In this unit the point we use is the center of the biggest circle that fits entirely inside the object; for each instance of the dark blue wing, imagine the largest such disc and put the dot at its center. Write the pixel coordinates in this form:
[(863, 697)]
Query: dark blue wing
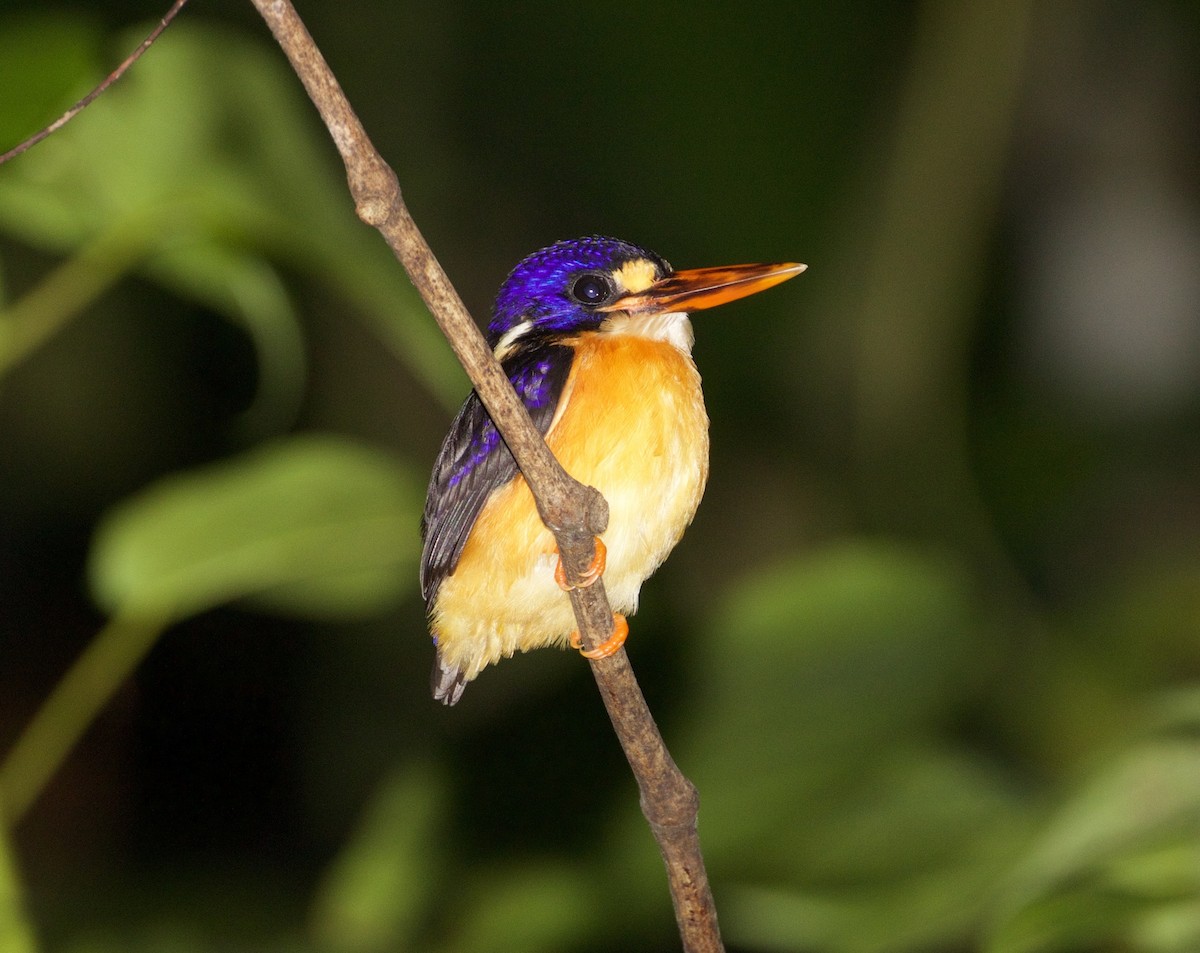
[(474, 461)]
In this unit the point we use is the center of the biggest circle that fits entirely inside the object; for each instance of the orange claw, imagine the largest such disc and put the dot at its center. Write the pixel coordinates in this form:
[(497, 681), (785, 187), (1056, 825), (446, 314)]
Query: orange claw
[(609, 645), (590, 575)]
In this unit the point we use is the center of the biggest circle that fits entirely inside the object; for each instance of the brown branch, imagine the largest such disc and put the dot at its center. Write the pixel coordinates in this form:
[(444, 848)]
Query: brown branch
[(108, 81), (575, 513)]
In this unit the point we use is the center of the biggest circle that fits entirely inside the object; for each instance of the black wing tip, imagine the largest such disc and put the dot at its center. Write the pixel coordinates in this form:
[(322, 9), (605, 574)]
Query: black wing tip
[(448, 682)]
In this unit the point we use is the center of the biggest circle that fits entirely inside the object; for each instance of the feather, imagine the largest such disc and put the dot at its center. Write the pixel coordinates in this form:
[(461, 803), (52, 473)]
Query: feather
[(474, 461)]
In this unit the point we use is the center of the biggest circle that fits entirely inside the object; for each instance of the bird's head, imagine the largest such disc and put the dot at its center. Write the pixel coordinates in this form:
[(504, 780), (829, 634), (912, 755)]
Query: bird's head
[(598, 284)]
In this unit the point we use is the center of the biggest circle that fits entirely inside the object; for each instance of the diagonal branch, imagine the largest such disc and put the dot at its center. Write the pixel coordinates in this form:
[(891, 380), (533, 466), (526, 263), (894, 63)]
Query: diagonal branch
[(575, 513)]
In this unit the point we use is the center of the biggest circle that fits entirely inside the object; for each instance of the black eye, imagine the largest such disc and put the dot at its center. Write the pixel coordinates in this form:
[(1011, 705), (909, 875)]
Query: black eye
[(591, 289)]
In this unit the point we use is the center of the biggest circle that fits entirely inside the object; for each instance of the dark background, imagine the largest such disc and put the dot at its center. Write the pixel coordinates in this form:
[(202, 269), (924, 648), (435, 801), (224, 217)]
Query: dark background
[(930, 650)]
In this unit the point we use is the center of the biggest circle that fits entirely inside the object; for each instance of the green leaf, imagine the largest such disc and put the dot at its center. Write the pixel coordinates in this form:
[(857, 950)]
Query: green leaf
[(1121, 857), (46, 62), (816, 665), (382, 882), (816, 635), (16, 932), (841, 816), (207, 189), (1170, 928), (535, 908), (236, 284), (903, 857), (312, 525)]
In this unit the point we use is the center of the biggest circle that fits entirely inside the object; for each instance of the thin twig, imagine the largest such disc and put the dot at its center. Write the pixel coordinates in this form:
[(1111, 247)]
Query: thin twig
[(108, 81), (576, 514)]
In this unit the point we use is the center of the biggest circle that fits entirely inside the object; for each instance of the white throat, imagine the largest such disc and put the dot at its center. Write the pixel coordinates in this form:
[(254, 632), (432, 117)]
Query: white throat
[(673, 328)]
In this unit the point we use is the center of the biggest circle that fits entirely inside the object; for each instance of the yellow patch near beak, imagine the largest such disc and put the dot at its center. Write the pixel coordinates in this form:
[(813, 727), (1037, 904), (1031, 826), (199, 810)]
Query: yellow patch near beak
[(636, 276)]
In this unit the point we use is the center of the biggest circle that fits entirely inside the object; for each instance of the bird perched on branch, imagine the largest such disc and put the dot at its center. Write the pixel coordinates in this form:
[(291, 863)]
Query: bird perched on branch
[(594, 335)]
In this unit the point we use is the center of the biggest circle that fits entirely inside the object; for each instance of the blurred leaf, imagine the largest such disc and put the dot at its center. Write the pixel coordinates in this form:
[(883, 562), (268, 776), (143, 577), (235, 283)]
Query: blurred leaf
[(1086, 919), (1106, 659), (313, 525), (823, 630), (904, 859), (1150, 792), (46, 62), (234, 283), (816, 665), (16, 933), (1177, 711), (381, 884), (207, 185), (1163, 871), (140, 179), (1075, 919), (1146, 624), (537, 908), (1119, 857), (930, 912), (832, 809), (1170, 928), (913, 812)]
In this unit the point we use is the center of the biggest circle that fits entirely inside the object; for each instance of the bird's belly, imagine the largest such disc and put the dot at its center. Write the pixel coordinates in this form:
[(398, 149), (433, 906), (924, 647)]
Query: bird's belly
[(632, 424)]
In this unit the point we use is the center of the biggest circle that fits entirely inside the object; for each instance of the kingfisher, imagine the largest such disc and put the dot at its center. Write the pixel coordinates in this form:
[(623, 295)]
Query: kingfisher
[(593, 333)]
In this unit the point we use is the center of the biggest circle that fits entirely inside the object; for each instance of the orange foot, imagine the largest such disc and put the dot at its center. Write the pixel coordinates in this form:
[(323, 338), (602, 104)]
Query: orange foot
[(609, 645), (590, 575)]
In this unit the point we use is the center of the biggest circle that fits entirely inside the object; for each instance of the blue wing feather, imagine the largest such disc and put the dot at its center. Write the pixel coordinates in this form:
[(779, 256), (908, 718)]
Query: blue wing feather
[(474, 460)]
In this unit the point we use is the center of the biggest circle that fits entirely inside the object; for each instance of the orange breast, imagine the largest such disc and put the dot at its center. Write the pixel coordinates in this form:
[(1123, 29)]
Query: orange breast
[(631, 422)]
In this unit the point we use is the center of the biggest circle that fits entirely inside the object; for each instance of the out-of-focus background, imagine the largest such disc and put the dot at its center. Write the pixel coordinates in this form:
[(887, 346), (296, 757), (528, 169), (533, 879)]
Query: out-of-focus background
[(931, 650)]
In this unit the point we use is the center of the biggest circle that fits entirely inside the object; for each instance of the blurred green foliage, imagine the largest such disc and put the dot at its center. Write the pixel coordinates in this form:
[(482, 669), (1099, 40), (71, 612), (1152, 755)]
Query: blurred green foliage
[(931, 650)]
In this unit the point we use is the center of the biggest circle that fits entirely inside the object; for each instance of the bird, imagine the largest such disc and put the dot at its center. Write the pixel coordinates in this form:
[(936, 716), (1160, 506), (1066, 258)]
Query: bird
[(594, 335)]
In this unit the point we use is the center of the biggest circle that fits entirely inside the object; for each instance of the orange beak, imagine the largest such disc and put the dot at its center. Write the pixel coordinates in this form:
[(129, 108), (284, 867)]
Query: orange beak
[(699, 288)]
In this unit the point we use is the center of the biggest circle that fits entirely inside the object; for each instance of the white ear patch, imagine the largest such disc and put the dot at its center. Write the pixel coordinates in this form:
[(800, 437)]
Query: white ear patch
[(509, 338)]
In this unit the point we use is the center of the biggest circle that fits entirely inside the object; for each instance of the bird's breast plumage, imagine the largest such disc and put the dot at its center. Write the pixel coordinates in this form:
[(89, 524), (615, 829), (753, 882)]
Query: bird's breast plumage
[(631, 422)]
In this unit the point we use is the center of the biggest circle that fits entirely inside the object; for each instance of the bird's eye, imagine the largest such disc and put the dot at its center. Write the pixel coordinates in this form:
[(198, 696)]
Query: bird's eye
[(591, 289)]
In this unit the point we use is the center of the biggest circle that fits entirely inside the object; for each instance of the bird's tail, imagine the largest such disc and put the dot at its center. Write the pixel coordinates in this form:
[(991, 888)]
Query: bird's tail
[(448, 681)]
